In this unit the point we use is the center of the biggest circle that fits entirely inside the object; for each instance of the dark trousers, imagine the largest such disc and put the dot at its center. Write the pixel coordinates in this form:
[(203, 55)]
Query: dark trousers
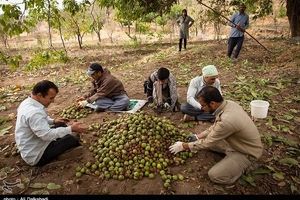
[(184, 43), (235, 42), (197, 113), (57, 147)]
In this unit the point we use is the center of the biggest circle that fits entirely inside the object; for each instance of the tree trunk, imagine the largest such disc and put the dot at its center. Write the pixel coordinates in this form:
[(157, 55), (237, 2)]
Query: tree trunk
[(79, 39), (5, 41), (128, 26), (111, 37), (293, 13), (99, 36), (49, 23), (61, 36)]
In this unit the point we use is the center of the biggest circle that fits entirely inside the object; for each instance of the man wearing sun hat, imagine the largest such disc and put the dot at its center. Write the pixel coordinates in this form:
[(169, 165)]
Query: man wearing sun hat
[(192, 109), (107, 93)]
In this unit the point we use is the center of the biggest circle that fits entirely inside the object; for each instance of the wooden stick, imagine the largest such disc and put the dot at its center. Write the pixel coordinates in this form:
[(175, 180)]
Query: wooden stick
[(200, 1)]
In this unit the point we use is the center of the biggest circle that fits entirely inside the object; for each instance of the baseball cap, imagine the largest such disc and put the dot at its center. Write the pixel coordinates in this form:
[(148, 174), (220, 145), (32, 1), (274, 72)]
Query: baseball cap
[(95, 67)]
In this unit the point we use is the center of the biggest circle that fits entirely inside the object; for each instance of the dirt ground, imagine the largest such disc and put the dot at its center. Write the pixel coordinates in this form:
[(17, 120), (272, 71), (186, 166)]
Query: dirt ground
[(258, 73)]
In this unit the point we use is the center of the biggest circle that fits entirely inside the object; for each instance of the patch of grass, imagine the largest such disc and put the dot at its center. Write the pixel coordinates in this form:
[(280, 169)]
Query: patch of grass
[(13, 62), (41, 59)]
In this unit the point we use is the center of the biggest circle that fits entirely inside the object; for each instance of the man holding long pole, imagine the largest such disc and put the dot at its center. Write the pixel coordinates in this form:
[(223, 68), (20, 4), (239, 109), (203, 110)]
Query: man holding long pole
[(236, 38)]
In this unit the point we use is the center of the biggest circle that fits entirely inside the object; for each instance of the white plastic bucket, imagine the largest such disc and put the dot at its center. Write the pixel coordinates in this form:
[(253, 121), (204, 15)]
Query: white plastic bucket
[(259, 108)]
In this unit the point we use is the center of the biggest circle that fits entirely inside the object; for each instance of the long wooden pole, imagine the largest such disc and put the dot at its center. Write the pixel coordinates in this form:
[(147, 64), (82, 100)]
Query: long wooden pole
[(200, 1)]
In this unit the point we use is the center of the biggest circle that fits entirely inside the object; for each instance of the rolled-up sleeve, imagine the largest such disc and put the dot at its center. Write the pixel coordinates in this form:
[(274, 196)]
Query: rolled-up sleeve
[(38, 122), (191, 95), (50, 120)]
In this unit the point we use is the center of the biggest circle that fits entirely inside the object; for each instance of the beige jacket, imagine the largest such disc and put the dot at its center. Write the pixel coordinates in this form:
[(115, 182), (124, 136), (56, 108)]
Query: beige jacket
[(233, 125)]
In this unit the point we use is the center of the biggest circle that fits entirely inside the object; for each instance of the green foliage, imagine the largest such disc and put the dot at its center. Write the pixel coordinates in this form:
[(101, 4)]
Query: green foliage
[(12, 61), (282, 11), (77, 20), (175, 11), (259, 8), (10, 24), (248, 88), (41, 59), (142, 27), (162, 20), (133, 43), (136, 9), (98, 16)]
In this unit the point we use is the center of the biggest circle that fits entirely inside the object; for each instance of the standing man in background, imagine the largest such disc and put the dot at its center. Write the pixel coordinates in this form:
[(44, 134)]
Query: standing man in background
[(236, 37), (184, 22)]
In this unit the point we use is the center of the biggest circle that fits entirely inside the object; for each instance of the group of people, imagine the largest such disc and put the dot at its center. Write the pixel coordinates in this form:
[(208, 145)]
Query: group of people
[(239, 22), (40, 139)]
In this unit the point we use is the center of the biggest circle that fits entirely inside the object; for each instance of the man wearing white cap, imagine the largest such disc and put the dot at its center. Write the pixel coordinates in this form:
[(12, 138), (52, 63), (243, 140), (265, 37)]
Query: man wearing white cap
[(192, 109), (107, 93)]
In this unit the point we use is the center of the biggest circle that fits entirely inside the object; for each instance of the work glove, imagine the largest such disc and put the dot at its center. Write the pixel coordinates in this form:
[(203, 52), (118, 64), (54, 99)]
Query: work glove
[(150, 99), (192, 138), (82, 103), (167, 106), (176, 148)]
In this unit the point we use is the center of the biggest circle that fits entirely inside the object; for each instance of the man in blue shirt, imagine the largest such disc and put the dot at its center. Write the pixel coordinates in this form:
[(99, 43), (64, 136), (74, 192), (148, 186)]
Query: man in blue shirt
[(236, 37)]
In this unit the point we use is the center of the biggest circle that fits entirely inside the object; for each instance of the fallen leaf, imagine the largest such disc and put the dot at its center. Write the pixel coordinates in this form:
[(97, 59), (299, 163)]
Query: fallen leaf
[(21, 186), (261, 171), (289, 161), (3, 108), (296, 180), (294, 189), (249, 179), (40, 192), (294, 111), (278, 176), (53, 186), (288, 117), (5, 130), (281, 184)]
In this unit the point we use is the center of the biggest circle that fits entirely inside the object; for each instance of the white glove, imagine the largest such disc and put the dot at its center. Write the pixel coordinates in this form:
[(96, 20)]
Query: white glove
[(167, 106), (83, 103), (176, 148)]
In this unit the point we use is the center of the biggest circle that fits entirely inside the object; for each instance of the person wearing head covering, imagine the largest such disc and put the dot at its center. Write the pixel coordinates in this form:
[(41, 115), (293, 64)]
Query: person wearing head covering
[(107, 91), (161, 90), (192, 110), (236, 37), (184, 22)]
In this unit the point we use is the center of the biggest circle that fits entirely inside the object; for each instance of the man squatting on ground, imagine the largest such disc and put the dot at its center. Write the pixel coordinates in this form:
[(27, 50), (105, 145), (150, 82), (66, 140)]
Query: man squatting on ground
[(192, 109), (39, 142), (107, 91), (161, 89), (233, 133)]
